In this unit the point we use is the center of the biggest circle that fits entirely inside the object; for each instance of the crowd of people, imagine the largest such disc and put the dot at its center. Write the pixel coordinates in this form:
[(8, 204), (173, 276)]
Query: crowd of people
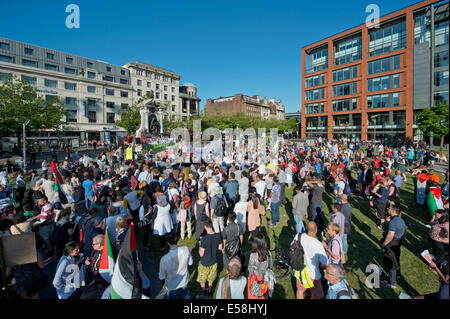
[(220, 203)]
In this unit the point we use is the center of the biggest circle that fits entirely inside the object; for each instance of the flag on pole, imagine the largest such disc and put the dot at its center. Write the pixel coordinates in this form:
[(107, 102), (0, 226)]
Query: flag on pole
[(126, 281), (106, 266)]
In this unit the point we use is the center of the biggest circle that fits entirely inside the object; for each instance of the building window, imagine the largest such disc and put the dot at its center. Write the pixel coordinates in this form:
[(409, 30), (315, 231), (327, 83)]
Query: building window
[(173, 98), (314, 94), (157, 77), (383, 83), (421, 27), (92, 115), (5, 58), (29, 63), (108, 69), (110, 118), (71, 116), (383, 100), (109, 92), (92, 102), (110, 105), (441, 32), (139, 82), (122, 72), (345, 74), (70, 86), (28, 51), (441, 97), (69, 71), (69, 60), (441, 59), (345, 105), (51, 67), (91, 75), (71, 101), (165, 87), (51, 98), (108, 78), (345, 89), (139, 92), (157, 95), (441, 78), (123, 81), (319, 60), (157, 86), (91, 89), (51, 83), (149, 84), (124, 106), (173, 89), (50, 56), (388, 38), (123, 93), (29, 80), (165, 96), (90, 65), (348, 50), (315, 80), (383, 65), (315, 108), (4, 46)]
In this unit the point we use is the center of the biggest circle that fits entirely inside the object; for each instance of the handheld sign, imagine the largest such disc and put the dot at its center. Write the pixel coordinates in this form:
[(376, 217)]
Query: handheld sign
[(19, 249)]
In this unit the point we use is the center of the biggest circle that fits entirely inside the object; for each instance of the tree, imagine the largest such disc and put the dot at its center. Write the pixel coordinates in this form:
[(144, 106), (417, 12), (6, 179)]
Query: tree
[(19, 102), (433, 122)]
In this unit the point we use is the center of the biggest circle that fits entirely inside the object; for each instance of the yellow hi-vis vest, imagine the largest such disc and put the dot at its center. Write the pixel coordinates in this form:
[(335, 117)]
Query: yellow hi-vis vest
[(304, 277)]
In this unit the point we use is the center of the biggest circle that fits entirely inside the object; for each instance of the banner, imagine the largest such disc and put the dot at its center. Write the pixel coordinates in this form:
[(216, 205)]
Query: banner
[(129, 155)]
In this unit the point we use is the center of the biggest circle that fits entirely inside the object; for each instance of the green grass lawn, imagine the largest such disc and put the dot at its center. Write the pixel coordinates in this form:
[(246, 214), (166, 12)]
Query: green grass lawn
[(363, 248)]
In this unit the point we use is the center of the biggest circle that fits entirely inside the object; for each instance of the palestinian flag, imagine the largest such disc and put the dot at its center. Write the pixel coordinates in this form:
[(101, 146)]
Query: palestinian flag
[(126, 281), (434, 200), (106, 267)]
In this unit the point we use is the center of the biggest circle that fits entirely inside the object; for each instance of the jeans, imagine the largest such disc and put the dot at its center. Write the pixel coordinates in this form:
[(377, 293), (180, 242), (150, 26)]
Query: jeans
[(299, 226), (185, 294), (275, 210), (393, 277), (90, 199), (344, 243)]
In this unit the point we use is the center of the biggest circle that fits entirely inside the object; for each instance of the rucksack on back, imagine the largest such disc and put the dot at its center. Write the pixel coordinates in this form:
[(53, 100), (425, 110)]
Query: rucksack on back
[(295, 255), (221, 207)]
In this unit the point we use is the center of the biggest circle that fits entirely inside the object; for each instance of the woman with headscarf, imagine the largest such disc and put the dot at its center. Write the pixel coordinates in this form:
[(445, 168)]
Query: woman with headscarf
[(232, 286), (163, 221)]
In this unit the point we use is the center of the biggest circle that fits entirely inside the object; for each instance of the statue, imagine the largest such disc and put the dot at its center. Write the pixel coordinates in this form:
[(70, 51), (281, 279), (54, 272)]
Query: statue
[(149, 120)]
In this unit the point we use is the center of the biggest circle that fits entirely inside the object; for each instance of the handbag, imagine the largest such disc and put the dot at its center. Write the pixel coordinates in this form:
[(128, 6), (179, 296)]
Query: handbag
[(258, 288)]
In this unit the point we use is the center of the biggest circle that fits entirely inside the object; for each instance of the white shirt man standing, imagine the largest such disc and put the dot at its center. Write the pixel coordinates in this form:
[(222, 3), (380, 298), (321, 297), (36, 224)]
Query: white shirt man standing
[(314, 255), (173, 268)]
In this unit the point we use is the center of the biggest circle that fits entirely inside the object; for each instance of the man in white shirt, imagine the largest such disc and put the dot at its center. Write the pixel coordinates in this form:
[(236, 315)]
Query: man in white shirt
[(173, 268), (260, 186), (314, 255)]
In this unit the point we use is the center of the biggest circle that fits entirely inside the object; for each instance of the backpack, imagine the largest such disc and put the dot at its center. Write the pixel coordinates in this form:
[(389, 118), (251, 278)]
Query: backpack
[(295, 255), (348, 292), (221, 207)]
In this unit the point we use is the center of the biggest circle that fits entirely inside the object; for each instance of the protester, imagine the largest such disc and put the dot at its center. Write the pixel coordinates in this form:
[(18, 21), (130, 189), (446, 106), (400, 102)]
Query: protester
[(233, 285)]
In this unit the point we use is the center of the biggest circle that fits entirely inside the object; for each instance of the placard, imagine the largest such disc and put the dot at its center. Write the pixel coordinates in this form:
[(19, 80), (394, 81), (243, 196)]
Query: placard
[(80, 208), (19, 249), (129, 155)]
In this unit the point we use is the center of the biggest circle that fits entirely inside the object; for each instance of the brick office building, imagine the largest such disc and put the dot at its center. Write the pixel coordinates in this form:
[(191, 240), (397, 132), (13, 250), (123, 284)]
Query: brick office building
[(367, 82), (250, 106)]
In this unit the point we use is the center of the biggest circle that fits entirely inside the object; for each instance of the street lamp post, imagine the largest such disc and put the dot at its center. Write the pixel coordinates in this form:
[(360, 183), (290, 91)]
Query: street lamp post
[(24, 146), (374, 118)]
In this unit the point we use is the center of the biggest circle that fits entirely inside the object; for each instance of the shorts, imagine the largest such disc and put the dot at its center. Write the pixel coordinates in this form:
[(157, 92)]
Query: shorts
[(206, 274), (316, 291), (45, 231)]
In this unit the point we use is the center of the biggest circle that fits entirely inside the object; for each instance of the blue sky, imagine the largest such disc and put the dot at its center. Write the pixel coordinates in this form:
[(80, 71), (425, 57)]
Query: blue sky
[(223, 47)]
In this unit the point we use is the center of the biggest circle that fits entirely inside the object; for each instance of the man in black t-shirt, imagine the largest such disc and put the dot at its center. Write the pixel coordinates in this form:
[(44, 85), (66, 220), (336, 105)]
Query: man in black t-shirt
[(207, 267), (233, 237)]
